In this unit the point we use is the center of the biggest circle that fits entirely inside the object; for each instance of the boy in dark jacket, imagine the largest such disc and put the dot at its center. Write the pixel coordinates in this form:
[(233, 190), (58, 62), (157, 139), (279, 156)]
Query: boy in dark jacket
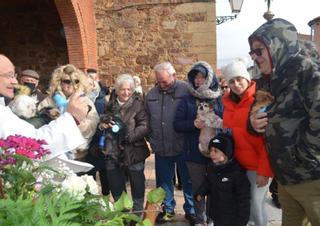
[(227, 184)]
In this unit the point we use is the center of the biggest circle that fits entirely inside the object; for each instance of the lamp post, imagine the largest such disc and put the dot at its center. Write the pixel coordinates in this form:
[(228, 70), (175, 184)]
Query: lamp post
[(268, 15), (235, 8)]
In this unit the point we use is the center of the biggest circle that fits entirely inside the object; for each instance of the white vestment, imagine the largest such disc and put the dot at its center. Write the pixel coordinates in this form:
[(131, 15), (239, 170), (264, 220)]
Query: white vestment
[(62, 134)]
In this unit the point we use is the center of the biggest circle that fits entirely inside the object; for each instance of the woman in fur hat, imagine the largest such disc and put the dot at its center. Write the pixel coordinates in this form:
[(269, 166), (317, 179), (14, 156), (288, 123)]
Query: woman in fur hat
[(203, 87)]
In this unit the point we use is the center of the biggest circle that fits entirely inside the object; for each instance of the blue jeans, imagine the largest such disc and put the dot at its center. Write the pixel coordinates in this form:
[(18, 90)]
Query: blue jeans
[(165, 169)]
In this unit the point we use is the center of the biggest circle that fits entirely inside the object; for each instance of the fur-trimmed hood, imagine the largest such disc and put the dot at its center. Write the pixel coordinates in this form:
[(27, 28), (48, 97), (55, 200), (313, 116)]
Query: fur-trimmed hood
[(210, 89)]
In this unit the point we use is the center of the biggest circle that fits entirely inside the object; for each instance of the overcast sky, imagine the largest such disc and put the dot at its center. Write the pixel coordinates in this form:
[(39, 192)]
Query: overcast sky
[(232, 35)]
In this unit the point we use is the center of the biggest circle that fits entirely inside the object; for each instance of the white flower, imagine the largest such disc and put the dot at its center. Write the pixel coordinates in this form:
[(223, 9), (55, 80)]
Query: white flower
[(75, 185), (92, 184)]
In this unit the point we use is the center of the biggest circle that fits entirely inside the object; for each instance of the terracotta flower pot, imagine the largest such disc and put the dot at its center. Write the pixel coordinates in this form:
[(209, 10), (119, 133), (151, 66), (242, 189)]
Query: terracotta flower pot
[(151, 211)]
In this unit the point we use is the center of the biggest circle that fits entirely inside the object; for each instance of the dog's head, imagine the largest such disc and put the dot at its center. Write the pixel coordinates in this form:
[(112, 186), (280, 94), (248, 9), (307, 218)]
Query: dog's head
[(24, 106), (205, 107), (262, 99)]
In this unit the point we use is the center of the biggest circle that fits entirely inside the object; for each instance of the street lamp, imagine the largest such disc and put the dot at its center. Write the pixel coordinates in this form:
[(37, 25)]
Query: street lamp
[(268, 15), (235, 8)]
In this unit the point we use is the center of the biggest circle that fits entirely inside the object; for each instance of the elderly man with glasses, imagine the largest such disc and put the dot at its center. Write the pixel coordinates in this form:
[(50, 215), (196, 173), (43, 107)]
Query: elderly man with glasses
[(61, 134)]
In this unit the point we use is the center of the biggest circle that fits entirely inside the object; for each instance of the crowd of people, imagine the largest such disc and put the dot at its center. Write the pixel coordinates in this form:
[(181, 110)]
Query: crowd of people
[(226, 152)]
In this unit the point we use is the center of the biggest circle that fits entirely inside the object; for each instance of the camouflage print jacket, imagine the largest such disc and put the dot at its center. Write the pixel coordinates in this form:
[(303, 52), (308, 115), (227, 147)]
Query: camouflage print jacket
[(293, 131)]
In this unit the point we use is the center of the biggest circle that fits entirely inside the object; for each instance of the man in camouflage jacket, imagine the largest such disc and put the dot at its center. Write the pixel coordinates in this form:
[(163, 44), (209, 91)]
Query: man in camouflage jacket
[(292, 122)]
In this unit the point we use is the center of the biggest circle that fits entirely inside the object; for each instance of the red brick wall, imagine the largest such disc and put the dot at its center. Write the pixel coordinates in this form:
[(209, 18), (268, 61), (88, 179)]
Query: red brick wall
[(79, 25), (316, 27)]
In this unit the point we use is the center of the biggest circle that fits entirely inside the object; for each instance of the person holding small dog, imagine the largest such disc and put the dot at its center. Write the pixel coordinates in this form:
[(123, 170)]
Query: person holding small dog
[(291, 125), (128, 152), (250, 150), (227, 183), (65, 81), (204, 92)]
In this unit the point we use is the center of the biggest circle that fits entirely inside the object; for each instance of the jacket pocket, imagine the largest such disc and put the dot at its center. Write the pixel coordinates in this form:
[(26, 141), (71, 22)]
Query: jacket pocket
[(136, 152)]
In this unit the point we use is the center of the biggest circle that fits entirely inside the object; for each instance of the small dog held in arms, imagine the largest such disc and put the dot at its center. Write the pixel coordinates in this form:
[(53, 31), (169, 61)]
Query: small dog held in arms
[(262, 100), (212, 122), (23, 105)]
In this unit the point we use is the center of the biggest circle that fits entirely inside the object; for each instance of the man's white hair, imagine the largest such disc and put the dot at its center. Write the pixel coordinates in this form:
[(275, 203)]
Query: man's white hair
[(167, 66)]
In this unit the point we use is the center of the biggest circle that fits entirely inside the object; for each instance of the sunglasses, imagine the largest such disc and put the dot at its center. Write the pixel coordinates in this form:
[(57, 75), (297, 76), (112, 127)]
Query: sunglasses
[(68, 81), (225, 87), (257, 51)]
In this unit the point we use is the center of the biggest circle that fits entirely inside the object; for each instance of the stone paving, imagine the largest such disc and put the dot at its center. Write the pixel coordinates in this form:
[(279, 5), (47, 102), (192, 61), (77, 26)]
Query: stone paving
[(274, 214)]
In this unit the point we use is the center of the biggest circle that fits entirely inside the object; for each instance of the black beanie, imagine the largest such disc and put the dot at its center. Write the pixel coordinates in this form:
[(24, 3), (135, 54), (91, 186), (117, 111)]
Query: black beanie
[(224, 143)]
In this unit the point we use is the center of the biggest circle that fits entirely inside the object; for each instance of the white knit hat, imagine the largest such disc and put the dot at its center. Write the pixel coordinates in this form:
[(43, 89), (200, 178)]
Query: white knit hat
[(236, 68)]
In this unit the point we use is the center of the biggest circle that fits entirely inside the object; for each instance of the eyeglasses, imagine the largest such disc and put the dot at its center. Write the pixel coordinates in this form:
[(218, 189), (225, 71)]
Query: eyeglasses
[(9, 75), (257, 51), (224, 87), (68, 81)]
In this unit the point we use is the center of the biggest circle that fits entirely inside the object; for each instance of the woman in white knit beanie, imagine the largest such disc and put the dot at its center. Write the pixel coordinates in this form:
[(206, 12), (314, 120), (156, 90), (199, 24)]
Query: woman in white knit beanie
[(250, 150), (237, 76)]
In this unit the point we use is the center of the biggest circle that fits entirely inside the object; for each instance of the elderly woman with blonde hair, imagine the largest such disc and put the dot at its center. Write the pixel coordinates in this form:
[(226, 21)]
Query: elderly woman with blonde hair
[(65, 81), (127, 154)]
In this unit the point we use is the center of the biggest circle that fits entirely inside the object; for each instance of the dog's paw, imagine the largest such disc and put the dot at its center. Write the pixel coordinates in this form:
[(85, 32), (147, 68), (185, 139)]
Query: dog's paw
[(204, 150), (54, 113)]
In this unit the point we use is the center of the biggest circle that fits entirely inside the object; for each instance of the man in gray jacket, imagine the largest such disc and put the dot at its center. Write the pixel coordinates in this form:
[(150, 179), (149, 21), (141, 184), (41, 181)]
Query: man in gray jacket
[(161, 103)]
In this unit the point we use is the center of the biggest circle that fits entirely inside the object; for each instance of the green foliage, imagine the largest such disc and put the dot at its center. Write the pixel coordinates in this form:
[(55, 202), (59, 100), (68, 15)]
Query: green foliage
[(20, 178), (156, 195), (123, 203), (62, 209), (146, 222), (37, 195)]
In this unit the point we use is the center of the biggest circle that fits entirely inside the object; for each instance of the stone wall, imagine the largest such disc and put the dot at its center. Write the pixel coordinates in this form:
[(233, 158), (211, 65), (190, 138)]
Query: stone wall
[(133, 36), (32, 37)]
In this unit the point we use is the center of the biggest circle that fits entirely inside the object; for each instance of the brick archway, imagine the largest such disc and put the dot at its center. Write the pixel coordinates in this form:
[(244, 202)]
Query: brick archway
[(78, 20)]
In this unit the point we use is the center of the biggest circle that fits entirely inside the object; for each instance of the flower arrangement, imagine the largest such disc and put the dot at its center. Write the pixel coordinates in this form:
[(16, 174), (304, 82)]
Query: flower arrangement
[(33, 193), (19, 165)]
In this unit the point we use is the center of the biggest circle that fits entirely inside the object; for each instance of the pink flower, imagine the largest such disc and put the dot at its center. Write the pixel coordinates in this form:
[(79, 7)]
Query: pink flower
[(27, 153), (21, 145)]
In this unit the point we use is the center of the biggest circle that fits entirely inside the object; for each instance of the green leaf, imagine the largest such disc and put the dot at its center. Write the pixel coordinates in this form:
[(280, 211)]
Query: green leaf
[(156, 195), (146, 222), (123, 203), (131, 217), (115, 222)]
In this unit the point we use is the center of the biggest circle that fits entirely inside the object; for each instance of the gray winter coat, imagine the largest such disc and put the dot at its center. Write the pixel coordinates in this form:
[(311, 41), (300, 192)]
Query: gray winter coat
[(161, 107)]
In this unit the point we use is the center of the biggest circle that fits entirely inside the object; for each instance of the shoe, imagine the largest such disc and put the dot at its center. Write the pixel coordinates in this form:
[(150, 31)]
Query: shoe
[(164, 217), (191, 217)]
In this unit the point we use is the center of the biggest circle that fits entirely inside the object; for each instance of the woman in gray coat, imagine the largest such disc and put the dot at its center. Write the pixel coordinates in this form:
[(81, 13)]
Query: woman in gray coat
[(125, 124)]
